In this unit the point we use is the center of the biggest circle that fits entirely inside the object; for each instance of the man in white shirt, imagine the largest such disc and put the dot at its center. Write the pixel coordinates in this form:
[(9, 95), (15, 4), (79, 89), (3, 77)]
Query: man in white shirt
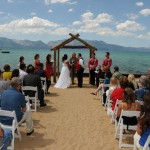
[(22, 71)]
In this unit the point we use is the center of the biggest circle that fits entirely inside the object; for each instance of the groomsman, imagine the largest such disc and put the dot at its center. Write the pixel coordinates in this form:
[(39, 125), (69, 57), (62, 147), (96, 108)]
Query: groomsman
[(107, 62), (80, 70), (92, 64)]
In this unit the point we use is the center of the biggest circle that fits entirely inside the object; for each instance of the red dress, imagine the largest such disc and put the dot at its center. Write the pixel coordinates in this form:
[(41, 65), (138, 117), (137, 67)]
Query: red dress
[(36, 64), (49, 69), (116, 94)]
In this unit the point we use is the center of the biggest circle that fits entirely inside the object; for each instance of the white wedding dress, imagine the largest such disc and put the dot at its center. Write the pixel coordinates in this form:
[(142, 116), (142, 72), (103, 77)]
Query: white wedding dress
[(64, 78)]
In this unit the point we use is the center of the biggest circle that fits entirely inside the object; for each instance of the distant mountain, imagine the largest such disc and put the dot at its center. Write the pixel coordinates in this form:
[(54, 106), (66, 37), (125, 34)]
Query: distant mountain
[(11, 43), (100, 45)]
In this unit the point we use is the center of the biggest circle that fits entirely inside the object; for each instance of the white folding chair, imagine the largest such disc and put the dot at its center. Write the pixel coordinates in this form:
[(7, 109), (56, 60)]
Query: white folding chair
[(34, 99), (44, 85), (113, 115), (123, 127), (147, 143), (14, 127), (140, 102), (102, 91), (28, 105)]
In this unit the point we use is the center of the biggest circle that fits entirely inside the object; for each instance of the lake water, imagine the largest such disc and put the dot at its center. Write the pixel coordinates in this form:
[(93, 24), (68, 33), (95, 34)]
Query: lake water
[(135, 62)]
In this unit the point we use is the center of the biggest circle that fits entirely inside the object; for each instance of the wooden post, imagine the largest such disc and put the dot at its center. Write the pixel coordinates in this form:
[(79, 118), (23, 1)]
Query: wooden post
[(89, 58), (54, 79), (58, 53)]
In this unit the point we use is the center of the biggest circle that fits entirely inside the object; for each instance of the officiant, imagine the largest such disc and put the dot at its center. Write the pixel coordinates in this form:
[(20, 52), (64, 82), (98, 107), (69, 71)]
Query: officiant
[(73, 61)]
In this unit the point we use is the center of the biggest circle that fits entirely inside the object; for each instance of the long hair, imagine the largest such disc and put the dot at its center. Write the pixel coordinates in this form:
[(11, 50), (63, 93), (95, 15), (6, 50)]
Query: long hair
[(145, 117), (36, 56), (131, 78), (48, 58), (128, 96)]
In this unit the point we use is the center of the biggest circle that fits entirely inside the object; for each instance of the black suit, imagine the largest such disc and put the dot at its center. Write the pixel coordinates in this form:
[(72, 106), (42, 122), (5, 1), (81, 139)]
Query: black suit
[(34, 80)]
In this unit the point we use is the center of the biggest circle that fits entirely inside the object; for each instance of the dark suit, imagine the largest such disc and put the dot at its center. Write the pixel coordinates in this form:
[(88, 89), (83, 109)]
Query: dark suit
[(34, 80)]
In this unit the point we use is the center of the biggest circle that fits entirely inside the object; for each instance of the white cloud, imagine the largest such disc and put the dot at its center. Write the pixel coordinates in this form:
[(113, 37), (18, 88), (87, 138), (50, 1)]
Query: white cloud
[(139, 4), (47, 2), (104, 18), (50, 11), (70, 10), (10, 1), (132, 16), (61, 31), (73, 3), (1, 12), (33, 14), (28, 26), (130, 26), (144, 36), (145, 12), (87, 16), (77, 23)]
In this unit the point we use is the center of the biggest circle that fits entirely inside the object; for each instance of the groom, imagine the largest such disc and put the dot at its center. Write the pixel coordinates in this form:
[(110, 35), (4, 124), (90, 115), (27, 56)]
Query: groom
[(80, 69)]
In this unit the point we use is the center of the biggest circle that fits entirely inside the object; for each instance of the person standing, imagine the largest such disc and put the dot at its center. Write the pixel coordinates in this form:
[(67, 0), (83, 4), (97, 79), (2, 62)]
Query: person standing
[(92, 64), (80, 70), (48, 70), (36, 61), (64, 78), (107, 62), (73, 61), (21, 61)]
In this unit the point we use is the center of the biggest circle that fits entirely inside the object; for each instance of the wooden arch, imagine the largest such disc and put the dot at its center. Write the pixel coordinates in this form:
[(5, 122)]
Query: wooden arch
[(62, 45)]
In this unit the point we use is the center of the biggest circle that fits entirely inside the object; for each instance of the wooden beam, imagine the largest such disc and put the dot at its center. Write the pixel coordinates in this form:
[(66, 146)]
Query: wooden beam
[(54, 79), (58, 54), (84, 42), (74, 47)]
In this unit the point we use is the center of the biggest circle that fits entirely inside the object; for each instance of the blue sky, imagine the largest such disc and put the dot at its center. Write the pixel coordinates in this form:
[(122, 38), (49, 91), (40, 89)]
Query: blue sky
[(122, 22)]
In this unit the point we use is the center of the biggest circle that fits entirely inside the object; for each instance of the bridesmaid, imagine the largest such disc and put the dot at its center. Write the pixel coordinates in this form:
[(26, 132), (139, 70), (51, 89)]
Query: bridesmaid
[(48, 70), (36, 61)]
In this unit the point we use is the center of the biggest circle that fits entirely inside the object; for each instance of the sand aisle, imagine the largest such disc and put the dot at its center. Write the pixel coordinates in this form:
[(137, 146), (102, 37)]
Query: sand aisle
[(73, 120)]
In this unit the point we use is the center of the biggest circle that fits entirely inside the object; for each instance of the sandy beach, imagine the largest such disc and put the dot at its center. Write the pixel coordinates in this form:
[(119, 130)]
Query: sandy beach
[(73, 120)]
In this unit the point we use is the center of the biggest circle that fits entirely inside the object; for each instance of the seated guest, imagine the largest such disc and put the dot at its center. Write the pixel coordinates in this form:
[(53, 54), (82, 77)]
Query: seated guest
[(139, 93), (5, 138), (128, 103), (13, 100), (143, 129), (106, 81), (22, 71), (118, 92), (116, 73), (15, 73), (32, 79), (4, 85), (113, 85), (99, 75), (132, 83), (7, 73)]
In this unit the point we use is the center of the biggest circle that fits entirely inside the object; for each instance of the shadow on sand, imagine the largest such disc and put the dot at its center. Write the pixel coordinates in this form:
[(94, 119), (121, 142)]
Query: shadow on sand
[(37, 138), (47, 109)]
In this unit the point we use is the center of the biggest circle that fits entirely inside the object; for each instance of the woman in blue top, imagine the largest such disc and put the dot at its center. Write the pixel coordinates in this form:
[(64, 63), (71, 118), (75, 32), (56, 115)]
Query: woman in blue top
[(143, 129)]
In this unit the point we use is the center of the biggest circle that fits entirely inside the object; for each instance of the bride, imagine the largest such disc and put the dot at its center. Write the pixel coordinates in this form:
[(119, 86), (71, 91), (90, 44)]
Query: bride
[(64, 78)]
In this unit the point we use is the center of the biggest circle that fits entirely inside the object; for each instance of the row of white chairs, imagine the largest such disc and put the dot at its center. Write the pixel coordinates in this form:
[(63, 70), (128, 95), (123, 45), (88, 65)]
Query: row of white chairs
[(119, 126), (14, 127)]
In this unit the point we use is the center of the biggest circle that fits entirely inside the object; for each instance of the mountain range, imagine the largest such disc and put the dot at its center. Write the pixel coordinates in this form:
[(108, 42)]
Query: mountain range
[(6, 43)]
